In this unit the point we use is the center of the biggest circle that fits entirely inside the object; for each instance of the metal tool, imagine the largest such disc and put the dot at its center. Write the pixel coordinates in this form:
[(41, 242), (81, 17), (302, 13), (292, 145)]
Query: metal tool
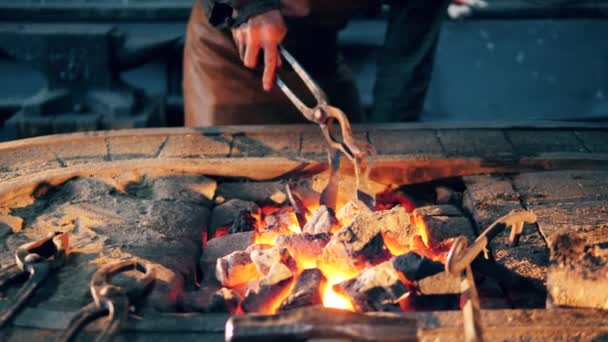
[(111, 301), (36, 260), (325, 116), (320, 323), (363, 168), (329, 195), (298, 205), (322, 113), (461, 256)]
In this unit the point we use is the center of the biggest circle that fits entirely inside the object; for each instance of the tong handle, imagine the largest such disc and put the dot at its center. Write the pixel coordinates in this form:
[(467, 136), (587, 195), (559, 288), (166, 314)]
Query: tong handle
[(116, 310), (110, 300), (33, 258), (38, 272), (9, 273), (310, 113)]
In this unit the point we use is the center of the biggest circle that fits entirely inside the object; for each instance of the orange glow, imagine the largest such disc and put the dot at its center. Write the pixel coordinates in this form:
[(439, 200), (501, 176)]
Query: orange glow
[(332, 299), (394, 246), (310, 209), (273, 221), (422, 229), (221, 231), (274, 304), (390, 199), (418, 246), (335, 228), (295, 228), (265, 238), (420, 243), (306, 263), (269, 210)]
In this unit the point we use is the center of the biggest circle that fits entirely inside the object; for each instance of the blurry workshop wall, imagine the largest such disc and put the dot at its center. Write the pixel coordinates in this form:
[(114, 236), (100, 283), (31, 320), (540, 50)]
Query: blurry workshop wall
[(512, 60)]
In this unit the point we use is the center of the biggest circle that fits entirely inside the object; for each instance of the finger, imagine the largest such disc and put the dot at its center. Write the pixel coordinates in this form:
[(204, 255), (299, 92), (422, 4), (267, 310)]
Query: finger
[(242, 44), (239, 40), (251, 55), (252, 51), (271, 55), (279, 60)]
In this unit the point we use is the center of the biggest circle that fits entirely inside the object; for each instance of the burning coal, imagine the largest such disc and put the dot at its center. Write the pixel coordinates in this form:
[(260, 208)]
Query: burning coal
[(355, 259)]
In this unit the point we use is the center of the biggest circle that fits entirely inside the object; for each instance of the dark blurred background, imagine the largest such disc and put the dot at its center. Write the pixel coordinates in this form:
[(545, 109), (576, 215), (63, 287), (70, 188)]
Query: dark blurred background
[(508, 61)]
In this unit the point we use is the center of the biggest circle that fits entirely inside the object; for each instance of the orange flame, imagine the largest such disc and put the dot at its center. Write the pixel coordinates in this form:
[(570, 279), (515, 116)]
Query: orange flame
[(336, 272), (274, 304), (332, 299), (422, 229), (264, 238)]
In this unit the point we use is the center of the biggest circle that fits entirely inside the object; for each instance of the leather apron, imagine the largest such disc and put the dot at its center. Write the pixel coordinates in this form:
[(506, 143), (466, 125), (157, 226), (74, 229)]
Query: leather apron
[(219, 90)]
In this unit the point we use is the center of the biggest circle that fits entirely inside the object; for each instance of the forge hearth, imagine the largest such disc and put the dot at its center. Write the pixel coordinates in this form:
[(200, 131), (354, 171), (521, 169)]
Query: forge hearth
[(212, 213)]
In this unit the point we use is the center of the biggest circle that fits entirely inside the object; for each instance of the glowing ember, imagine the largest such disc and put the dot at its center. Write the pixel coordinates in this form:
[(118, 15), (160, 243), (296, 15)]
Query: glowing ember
[(332, 299), (305, 264), (221, 231), (264, 238), (394, 246), (422, 228), (311, 209), (295, 228), (278, 226), (390, 199)]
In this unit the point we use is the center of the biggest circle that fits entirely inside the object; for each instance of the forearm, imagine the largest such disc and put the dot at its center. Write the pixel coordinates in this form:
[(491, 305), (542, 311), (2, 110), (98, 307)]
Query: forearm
[(231, 13), (341, 7), (331, 15)]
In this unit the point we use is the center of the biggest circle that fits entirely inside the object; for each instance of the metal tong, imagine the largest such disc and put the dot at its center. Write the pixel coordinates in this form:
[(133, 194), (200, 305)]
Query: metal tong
[(36, 260), (325, 115), (322, 113), (111, 301), (461, 255)]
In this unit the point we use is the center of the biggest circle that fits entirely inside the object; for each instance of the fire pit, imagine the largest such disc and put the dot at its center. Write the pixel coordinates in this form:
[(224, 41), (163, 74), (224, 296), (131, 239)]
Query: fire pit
[(229, 221)]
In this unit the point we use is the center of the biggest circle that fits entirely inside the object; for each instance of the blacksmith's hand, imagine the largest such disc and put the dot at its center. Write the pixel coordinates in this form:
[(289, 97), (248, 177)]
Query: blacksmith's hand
[(265, 32)]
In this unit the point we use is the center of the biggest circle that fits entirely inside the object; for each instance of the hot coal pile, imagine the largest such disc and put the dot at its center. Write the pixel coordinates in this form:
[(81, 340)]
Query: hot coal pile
[(267, 257)]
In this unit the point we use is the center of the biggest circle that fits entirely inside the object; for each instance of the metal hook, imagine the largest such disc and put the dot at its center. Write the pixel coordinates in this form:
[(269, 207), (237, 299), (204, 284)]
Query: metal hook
[(461, 255)]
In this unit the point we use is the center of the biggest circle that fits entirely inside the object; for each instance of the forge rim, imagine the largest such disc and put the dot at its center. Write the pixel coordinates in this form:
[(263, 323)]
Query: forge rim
[(413, 168)]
